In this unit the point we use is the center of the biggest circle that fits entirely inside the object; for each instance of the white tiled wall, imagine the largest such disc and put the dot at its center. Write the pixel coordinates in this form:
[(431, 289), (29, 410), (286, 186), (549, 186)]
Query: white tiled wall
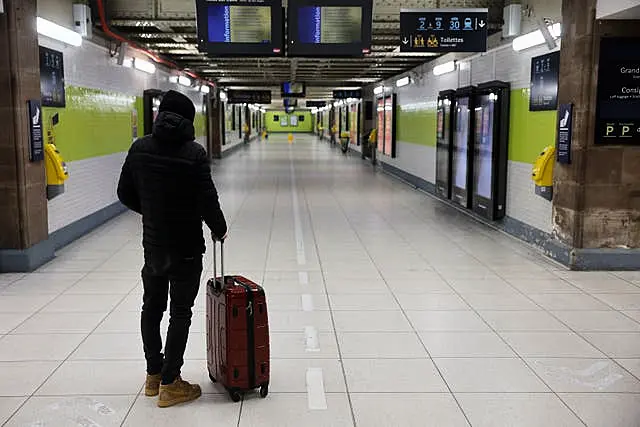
[(91, 186), (502, 63), (92, 182)]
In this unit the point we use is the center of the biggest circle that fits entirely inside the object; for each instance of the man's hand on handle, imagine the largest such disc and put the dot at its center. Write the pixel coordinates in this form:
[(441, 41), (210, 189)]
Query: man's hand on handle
[(219, 239)]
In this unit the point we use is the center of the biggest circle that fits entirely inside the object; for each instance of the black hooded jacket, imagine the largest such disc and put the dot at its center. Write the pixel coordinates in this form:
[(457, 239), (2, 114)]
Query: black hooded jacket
[(167, 178)]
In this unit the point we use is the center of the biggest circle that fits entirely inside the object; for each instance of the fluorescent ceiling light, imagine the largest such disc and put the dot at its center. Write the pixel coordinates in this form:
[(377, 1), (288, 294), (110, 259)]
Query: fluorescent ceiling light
[(445, 68), (173, 79), (57, 32), (127, 63), (205, 89), (535, 38), (378, 90), (223, 96), (184, 81), (146, 66), (403, 81)]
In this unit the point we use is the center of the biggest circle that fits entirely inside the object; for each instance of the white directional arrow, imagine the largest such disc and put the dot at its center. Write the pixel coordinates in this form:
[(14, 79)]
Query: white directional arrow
[(482, 24), (405, 41)]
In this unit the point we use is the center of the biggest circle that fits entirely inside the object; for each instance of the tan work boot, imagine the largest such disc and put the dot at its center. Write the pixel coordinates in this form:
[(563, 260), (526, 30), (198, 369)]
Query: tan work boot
[(152, 385), (177, 392)]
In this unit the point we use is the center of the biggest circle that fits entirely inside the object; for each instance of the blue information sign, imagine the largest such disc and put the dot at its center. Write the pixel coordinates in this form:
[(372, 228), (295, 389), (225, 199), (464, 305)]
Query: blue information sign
[(443, 30), (36, 140), (565, 130)]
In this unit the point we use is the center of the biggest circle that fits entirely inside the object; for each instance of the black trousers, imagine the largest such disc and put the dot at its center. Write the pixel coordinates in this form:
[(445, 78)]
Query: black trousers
[(163, 275)]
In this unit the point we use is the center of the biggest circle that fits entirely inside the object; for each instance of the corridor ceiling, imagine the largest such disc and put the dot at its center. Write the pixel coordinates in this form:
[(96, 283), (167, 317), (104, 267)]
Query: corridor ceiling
[(168, 27)]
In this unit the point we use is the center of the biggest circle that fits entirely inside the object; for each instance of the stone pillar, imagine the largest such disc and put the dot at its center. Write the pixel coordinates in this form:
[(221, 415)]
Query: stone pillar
[(23, 217), (596, 206)]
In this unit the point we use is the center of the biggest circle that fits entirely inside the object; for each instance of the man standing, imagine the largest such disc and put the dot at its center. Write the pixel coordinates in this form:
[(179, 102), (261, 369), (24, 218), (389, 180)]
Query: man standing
[(167, 179)]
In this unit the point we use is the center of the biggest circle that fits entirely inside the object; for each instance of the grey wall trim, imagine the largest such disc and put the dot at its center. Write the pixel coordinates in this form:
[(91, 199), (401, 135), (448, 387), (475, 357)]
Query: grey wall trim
[(76, 230), (21, 261), (27, 260), (573, 258), (411, 179), (233, 149)]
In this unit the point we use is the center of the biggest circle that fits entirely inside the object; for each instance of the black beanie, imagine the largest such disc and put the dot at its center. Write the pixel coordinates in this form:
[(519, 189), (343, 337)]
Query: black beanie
[(177, 103)]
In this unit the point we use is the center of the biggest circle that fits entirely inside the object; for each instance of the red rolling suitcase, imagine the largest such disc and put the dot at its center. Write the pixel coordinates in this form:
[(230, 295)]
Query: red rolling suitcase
[(237, 333)]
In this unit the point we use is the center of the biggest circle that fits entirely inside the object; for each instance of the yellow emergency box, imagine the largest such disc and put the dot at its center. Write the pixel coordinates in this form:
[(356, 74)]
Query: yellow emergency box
[(56, 169), (542, 174)]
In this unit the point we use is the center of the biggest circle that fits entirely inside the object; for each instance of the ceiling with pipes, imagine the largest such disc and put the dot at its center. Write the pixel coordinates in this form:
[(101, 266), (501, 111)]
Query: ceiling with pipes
[(168, 27)]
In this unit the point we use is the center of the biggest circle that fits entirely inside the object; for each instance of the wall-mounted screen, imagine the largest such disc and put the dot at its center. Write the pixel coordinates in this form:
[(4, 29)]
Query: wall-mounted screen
[(329, 27), (484, 145), (293, 90), (52, 78), (389, 131), (380, 124), (460, 143), (240, 27)]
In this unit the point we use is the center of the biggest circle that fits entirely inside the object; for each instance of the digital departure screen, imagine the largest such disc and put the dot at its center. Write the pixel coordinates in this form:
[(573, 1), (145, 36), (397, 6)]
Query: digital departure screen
[(329, 27), (240, 27), (293, 90), (484, 145), (334, 24), (239, 24)]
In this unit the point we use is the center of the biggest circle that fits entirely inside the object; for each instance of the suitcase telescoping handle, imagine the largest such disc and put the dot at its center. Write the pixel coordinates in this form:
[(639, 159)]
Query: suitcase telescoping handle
[(215, 262)]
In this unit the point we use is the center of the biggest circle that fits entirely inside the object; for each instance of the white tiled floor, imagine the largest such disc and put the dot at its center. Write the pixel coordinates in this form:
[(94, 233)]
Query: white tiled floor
[(414, 314)]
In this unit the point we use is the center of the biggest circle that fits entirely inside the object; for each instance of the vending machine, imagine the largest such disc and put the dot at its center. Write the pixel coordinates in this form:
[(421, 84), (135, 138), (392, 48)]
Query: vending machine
[(444, 145), (462, 150), (491, 144)]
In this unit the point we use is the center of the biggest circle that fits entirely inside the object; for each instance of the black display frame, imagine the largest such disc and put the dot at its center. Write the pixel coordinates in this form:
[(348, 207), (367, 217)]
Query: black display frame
[(275, 48), (553, 74), (443, 183), (494, 208), (623, 127), (463, 196), (349, 50), (52, 78)]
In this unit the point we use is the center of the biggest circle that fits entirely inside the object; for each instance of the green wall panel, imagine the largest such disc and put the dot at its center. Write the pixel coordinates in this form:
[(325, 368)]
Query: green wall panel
[(529, 131), (95, 123), (416, 126), (273, 126), (200, 125)]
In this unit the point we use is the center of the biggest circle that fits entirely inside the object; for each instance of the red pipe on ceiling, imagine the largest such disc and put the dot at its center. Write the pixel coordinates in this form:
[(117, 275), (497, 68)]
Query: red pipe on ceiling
[(107, 30)]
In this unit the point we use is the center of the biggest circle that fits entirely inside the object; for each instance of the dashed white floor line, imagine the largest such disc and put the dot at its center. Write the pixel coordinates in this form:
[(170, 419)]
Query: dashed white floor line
[(312, 341), (316, 397), (300, 253), (307, 302), (303, 277)]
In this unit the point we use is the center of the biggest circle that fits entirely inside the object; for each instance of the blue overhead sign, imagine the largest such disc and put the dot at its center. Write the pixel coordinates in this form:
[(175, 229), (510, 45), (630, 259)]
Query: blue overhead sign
[(443, 30)]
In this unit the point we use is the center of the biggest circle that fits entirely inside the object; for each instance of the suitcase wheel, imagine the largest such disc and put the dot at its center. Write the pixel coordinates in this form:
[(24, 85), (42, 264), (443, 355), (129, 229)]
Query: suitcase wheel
[(235, 396), (264, 390), (212, 378)]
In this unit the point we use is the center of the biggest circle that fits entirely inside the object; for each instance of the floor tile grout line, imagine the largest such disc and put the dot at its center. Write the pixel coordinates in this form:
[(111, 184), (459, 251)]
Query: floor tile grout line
[(309, 215), (579, 334), (476, 312), (39, 310), (62, 363), (415, 332)]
